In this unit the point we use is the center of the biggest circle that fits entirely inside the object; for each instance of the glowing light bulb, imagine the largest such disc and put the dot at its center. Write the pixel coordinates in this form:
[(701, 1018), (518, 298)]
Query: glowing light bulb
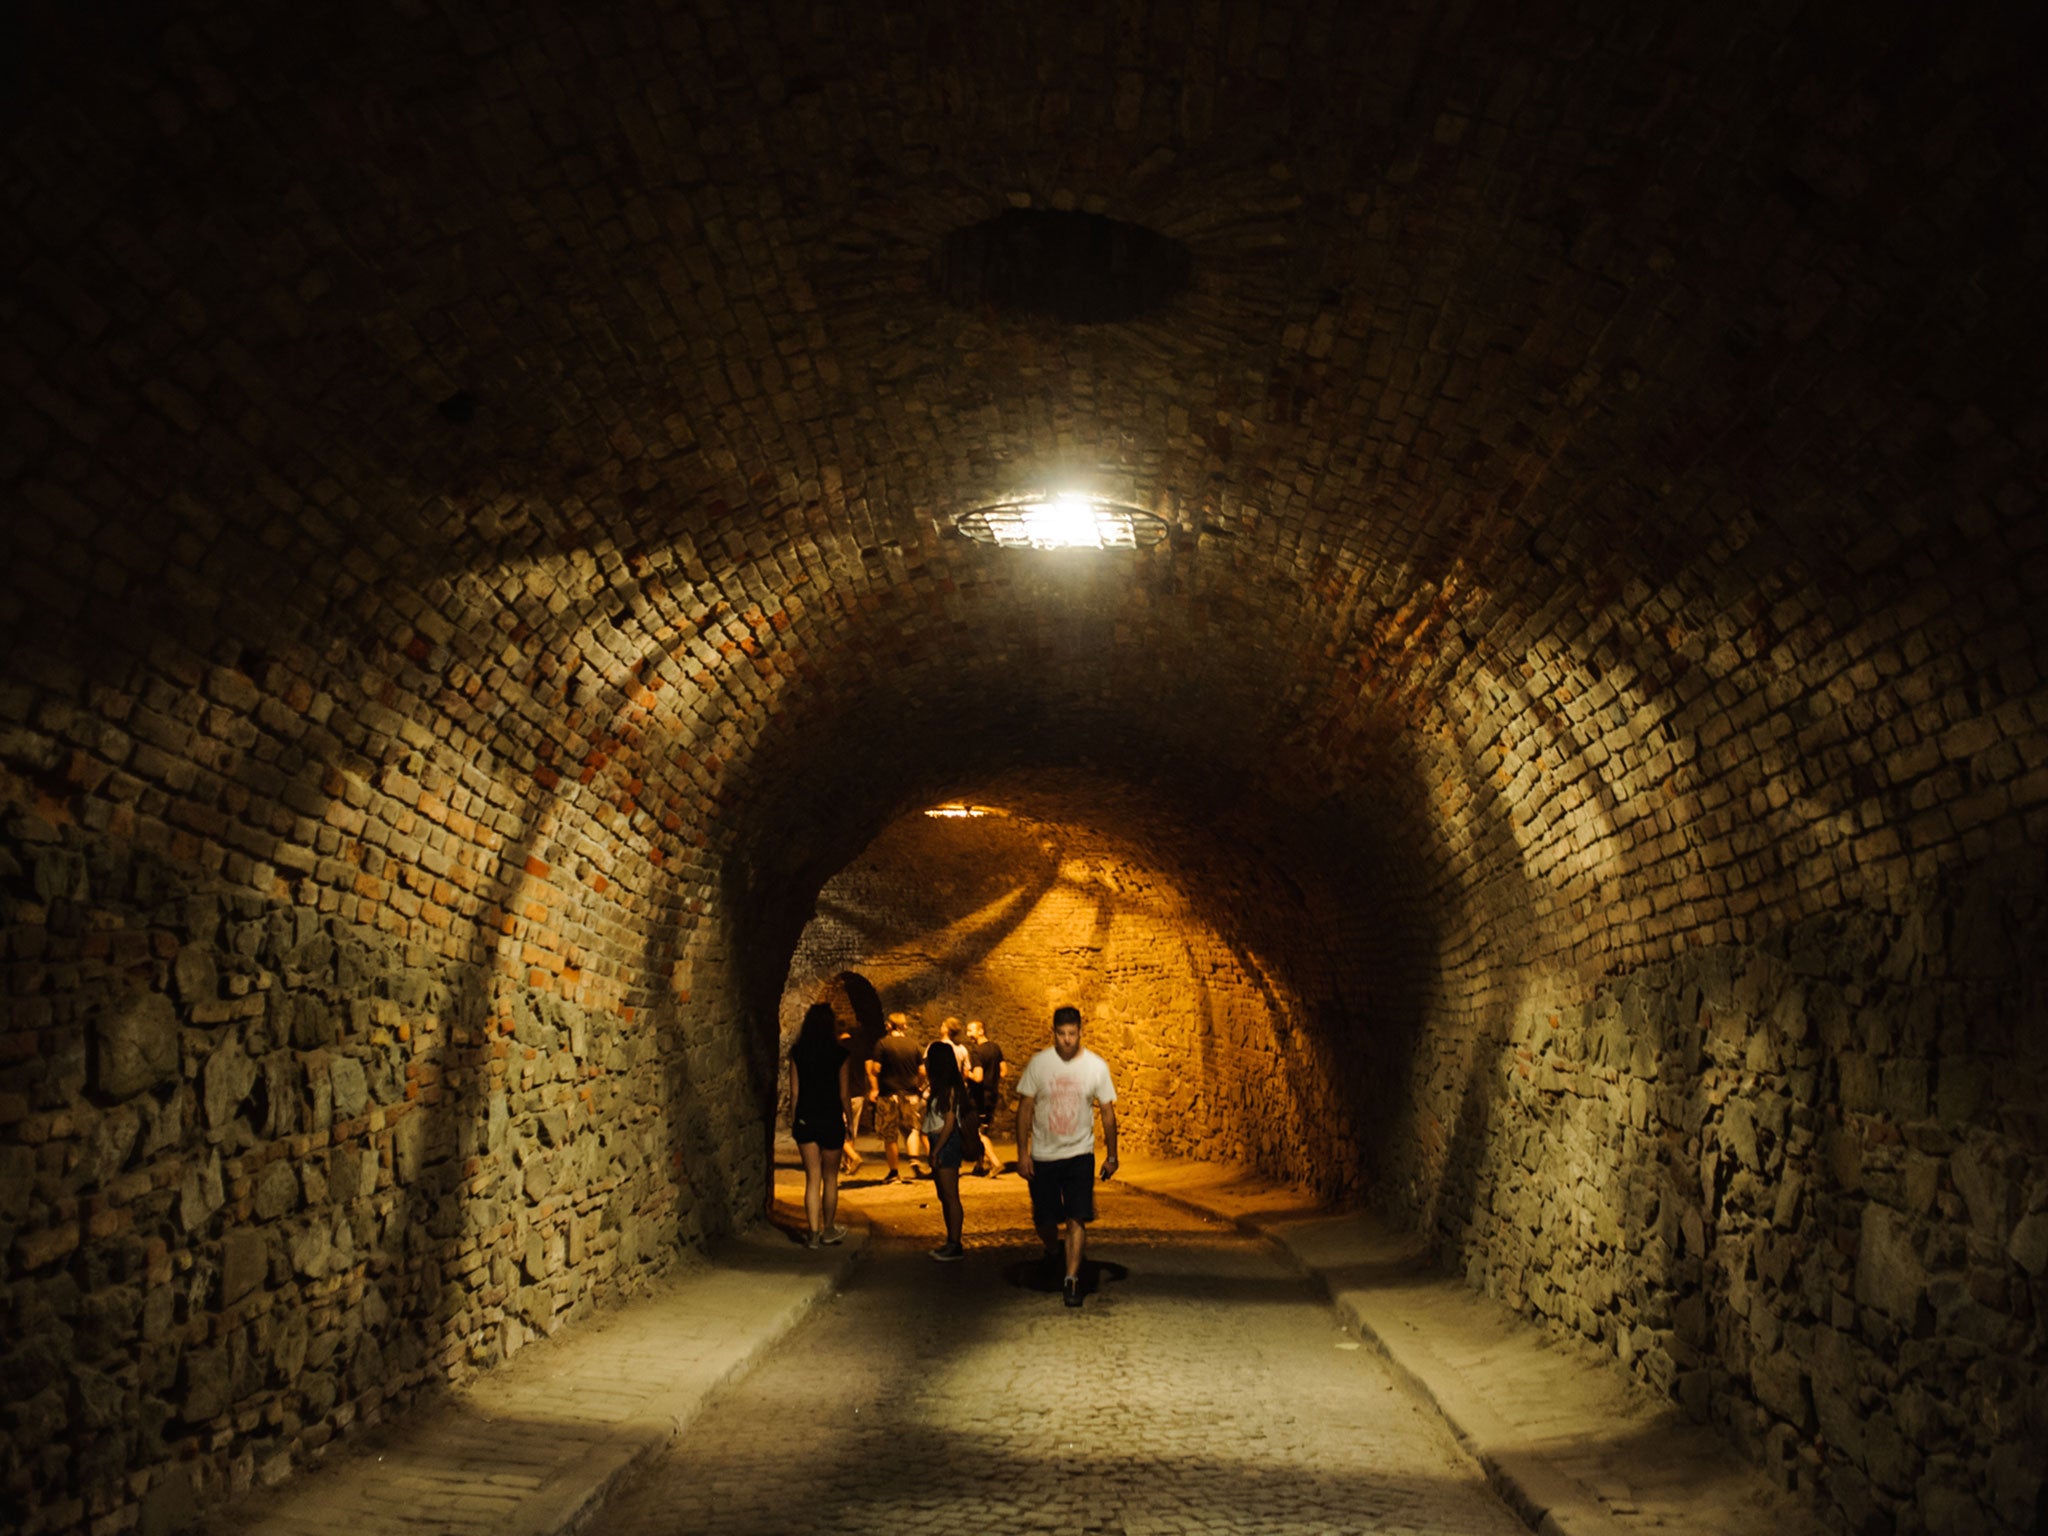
[(1068, 521), (1063, 520)]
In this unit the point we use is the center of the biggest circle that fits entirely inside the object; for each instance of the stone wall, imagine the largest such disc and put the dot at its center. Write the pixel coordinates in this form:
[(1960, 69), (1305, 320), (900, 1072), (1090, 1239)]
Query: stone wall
[(292, 1138), (1802, 1186)]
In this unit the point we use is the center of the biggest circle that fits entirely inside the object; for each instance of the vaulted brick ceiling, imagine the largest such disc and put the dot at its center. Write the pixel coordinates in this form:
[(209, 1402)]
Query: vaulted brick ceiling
[(478, 552), (1581, 427)]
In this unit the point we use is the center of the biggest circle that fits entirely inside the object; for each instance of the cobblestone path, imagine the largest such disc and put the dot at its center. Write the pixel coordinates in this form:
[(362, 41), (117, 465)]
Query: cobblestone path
[(1202, 1388)]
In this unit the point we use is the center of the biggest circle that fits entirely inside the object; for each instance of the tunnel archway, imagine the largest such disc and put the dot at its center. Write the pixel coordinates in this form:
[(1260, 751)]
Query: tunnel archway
[(1211, 984)]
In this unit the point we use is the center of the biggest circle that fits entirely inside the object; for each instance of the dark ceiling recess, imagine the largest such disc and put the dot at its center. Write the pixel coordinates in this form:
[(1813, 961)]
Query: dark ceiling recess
[(1082, 268)]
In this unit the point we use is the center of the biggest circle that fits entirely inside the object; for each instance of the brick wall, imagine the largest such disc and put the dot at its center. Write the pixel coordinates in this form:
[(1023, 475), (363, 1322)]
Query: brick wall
[(337, 1065), (1757, 991)]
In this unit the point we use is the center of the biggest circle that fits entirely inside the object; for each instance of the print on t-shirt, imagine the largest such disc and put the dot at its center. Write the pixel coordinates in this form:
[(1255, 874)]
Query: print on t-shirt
[(1064, 1095), (1066, 1109)]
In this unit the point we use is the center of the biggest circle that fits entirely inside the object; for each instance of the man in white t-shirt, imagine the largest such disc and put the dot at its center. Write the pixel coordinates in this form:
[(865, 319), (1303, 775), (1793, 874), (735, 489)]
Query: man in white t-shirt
[(1056, 1098)]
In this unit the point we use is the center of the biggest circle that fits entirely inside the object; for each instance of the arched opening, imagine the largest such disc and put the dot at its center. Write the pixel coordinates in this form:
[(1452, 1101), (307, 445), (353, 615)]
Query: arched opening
[(1313, 985), (1208, 983)]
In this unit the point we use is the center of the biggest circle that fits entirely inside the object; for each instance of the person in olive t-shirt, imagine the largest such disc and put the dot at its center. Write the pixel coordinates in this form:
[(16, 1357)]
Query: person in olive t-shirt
[(895, 1076)]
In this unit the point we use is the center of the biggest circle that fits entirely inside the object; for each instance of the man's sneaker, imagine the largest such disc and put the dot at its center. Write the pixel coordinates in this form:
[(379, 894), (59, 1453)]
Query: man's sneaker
[(813, 1239), (1073, 1290), (832, 1235), (949, 1253), (892, 1177)]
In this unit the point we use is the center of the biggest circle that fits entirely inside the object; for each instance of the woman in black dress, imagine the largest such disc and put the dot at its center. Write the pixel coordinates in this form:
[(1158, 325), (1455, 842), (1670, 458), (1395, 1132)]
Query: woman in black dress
[(948, 1129), (817, 1087)]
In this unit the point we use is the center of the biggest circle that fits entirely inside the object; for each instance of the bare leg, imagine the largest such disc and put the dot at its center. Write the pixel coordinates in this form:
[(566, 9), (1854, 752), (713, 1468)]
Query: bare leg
[(828, 1205), (1048, 1231), (814, 1185), (889, 1151), (947, 1181), (1077, 1243), (1049, 1235)]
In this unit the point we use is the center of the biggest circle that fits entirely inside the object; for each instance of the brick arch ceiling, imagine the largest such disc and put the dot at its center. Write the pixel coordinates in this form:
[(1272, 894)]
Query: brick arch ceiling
[(1579, 433)]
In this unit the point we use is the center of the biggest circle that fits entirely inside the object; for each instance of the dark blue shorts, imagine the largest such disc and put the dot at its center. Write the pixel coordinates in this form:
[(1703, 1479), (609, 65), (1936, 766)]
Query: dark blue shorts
[(1063, 1189), (948, 1155)]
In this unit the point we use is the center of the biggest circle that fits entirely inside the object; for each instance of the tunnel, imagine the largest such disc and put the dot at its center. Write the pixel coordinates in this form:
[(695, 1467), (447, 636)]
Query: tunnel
[(1467, 580)]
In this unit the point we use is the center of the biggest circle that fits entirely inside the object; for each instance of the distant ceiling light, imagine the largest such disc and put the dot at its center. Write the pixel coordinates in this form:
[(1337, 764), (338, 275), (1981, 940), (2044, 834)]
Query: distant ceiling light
[(956, 809), (1064, 520)]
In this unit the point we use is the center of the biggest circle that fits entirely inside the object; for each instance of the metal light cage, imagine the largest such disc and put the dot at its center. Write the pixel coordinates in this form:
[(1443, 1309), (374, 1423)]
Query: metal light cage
[(1066, 521)]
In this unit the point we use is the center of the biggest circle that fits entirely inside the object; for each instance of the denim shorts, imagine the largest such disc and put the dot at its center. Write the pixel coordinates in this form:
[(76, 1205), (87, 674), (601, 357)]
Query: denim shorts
[(948, 1155)]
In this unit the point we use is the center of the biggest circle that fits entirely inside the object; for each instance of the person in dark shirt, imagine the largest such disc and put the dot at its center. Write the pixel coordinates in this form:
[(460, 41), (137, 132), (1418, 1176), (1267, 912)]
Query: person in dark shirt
[(985, 1073), (896, 1083), (817, 1089)]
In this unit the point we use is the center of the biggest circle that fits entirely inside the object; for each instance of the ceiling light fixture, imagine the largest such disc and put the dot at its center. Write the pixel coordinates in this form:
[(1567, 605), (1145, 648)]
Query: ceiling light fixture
[(1063, 520)]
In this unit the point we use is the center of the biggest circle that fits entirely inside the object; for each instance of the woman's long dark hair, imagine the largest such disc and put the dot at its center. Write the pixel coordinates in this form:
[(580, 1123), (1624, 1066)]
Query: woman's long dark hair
[(820, 1026), (942, 1070)]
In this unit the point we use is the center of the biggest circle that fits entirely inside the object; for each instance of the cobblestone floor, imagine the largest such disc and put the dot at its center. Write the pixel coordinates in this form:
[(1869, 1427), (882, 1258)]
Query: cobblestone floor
[(1202, 1388)]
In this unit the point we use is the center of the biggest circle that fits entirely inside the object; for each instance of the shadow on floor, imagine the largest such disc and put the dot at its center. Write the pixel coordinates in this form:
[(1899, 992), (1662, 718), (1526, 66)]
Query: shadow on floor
[(1035, 1274)]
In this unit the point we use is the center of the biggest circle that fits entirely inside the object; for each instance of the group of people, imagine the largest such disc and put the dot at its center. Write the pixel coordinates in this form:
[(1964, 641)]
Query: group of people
[(947, 1097), (905, 1085)]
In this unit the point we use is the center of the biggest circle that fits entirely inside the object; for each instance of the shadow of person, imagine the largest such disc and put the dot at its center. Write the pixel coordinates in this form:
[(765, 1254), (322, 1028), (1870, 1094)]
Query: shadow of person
[(1036, 1274)]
